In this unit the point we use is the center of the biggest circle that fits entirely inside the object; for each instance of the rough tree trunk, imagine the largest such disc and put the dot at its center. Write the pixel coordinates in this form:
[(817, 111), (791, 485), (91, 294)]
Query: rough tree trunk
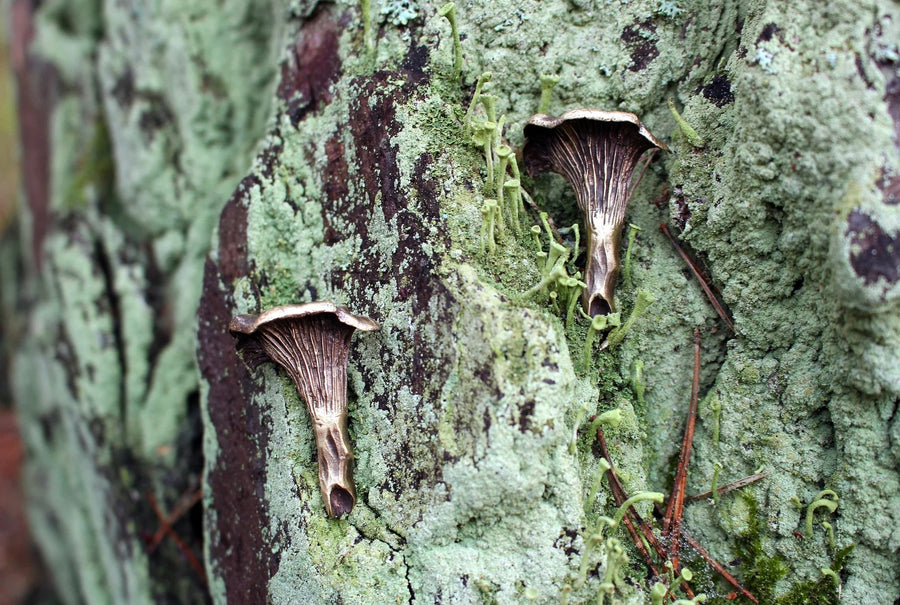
[(336, 167)]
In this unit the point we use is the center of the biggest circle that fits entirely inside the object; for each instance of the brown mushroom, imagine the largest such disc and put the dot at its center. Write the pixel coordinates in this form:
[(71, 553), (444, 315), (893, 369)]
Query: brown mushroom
[(312, 343), (597, 152)]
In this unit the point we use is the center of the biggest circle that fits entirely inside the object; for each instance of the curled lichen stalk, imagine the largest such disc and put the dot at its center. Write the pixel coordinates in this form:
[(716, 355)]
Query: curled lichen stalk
[(602, 467), (470, 111), (830, 573), (639, 384), (632, 234), (715, 406), (828, 527), (599, 323), (489, 102), (502, 181), (556, 280), (503, 152), (558, 272), (644, 300), (513, 191), (573, 287), (717, 468), (613, 575), (826, 499), (660, 592), (489, 215), (595, 537), (483, 136)]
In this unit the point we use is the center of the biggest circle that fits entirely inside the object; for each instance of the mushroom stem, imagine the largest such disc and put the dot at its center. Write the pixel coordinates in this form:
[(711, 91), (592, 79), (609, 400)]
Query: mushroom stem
[(324, 389), (602, 268), (482, 80), (335, 463)]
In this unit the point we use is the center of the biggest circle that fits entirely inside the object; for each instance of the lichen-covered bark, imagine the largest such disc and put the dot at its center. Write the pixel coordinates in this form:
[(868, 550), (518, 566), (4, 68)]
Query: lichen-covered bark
[(135, 125), (469, 408)]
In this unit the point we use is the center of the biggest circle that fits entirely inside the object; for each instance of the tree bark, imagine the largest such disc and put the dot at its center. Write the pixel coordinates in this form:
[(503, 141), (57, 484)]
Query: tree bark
[(185, 165)]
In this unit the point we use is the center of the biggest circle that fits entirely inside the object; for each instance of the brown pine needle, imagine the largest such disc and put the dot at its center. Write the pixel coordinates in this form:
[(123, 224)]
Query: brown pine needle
[(640, 530), (698, 274), (728, 487), (675, 507), (633, 520), (165, 529), (186, 503)]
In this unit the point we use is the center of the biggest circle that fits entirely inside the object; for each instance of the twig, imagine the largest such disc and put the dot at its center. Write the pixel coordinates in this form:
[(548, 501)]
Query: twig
[(186, 503), (641, 532), (720, 569), (632, 517)]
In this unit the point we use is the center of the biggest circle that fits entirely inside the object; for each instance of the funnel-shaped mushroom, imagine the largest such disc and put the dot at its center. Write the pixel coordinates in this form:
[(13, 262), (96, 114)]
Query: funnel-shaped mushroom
[(597, 152), (312, 343)]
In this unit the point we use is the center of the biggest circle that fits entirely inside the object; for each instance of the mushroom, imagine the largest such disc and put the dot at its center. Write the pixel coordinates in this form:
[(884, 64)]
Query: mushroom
[(597, 152), (312, 342)]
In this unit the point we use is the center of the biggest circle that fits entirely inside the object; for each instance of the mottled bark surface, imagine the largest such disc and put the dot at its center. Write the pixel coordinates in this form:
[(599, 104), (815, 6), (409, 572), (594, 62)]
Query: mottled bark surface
[(184, 165)]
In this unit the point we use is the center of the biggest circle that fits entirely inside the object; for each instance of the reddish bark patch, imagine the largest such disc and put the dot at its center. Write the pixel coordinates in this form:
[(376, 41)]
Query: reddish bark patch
[(233, 230), (718, 91), (312, 66), (888, 67), (237, 546), (768, 32), (875, 254), (373, 126), (37, 90), (237, 477), (123, 90), (639, 38), (682, 211), (18, 570), (334, 181), (892, 99), (414, 214), (890, 188)]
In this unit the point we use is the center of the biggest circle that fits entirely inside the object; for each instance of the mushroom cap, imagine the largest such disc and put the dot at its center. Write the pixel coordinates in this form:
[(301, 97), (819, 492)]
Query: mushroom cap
[(549, 122), (249, 324)]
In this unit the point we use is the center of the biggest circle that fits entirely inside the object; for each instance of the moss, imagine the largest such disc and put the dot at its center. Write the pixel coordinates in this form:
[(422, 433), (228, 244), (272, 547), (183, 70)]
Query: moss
[(821, 590), (763, 573)]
